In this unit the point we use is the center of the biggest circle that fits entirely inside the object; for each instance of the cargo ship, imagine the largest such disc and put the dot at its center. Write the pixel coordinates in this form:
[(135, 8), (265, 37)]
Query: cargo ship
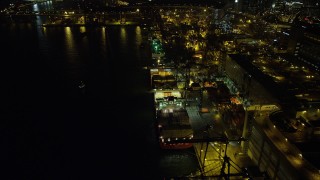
[(172, 118), (173, 123)]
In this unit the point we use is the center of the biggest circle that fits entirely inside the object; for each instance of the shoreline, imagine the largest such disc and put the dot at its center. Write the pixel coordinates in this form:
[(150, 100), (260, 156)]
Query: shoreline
[(100, 24)]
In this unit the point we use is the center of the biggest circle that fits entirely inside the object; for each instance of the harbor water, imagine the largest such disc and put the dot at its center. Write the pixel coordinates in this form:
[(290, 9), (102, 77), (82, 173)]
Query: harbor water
[(53, 129)]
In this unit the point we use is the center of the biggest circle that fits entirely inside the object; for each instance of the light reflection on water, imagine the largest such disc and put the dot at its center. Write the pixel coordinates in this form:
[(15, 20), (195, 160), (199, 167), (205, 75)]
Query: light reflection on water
[(70, 46), (123, 36)]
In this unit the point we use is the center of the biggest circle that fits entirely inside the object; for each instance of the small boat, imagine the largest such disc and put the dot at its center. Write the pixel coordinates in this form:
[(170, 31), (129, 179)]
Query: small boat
[(82, 85)]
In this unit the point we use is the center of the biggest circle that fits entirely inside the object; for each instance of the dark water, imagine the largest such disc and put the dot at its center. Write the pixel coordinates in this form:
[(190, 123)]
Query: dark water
[(51, 129)]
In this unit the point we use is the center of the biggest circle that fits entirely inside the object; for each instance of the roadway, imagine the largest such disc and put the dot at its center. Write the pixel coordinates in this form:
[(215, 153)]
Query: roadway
[(288, 150)]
